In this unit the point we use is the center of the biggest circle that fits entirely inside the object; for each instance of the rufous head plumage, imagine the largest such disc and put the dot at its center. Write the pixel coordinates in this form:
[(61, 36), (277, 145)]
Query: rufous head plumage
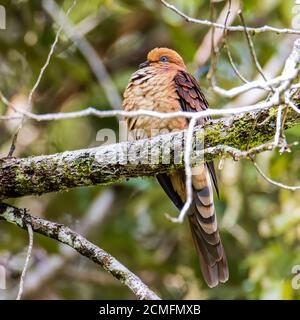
[(161, 56)]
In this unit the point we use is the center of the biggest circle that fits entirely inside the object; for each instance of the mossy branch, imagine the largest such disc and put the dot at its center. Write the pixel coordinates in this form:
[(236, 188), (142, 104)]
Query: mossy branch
[(110, 163)]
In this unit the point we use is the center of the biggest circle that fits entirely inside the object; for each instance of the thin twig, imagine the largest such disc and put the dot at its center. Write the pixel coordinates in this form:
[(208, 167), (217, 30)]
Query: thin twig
[(21, 287), (43, 69), (271, 68), (87, 51), (290, 72), (226, 45), (63, 234), (278, 126), (47, 269), (234, 67), (214, 52), (91, 111), (276, 183), (32, 91), (188, 173), (251, 46), (208, 23), (253, 85), (203, 52), (291, 104)]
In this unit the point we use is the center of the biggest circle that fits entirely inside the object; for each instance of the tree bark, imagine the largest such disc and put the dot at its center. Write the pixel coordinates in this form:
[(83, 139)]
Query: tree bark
[(110, 163), (63, 234)]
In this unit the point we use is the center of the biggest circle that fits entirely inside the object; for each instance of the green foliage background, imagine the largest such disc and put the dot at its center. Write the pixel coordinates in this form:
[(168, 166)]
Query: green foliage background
[(260, 223)]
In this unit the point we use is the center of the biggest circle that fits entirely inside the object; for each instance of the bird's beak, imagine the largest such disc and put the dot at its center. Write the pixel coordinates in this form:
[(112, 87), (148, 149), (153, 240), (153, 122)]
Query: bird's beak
[(144, 64)]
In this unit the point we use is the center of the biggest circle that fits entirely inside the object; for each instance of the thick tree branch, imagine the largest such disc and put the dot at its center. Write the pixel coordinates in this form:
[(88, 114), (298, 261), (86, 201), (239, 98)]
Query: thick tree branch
[(65, 235), (108, 164)]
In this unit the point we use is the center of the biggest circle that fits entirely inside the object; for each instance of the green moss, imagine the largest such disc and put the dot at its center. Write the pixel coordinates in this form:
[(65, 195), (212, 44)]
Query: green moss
[(119, 274), (21, 179)]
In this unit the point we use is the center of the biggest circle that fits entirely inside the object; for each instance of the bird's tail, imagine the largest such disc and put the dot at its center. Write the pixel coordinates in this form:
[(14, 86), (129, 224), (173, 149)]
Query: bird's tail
[(203, 223)]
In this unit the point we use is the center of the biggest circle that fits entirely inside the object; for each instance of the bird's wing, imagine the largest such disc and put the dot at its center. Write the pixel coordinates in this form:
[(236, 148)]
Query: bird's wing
[(190, 94), (202, 216), (192, 99)]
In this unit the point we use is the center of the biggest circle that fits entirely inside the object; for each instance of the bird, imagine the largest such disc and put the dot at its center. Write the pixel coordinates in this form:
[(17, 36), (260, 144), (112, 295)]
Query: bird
[(163, 84)]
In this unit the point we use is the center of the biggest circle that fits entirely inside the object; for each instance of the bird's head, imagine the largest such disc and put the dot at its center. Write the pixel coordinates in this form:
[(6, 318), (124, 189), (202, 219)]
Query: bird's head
[(163, 56)]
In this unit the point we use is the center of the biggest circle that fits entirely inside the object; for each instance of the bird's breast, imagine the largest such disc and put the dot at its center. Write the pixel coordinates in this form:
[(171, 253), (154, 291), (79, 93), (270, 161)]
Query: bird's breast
[(153, 90)]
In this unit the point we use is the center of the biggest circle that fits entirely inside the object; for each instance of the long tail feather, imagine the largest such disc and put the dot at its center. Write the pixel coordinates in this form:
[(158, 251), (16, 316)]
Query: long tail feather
[(203, 223)]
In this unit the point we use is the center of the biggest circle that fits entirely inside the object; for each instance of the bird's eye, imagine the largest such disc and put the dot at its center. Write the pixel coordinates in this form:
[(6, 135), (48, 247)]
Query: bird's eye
[(163, 59)]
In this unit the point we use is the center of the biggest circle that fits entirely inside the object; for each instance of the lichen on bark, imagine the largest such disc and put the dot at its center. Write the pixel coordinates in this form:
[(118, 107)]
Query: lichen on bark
[(88, 167)]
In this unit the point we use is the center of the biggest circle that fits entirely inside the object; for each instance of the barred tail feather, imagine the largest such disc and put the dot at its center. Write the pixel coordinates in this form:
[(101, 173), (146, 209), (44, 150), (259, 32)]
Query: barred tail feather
[(203, 223)]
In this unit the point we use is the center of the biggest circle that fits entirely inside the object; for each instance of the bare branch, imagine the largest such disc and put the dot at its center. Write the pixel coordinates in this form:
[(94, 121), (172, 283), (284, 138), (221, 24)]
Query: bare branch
[(32, 91), (87, 51), (290, 73), (251, 47), (276, 183), (204, 50), (30, 234), (276, 85), (111, 163), (271, 69), (47, 269), (65, 235), (229, 28), (256, 84), (48, 57), (278, 126), (188, 173), (91, 111), (236, 5)]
